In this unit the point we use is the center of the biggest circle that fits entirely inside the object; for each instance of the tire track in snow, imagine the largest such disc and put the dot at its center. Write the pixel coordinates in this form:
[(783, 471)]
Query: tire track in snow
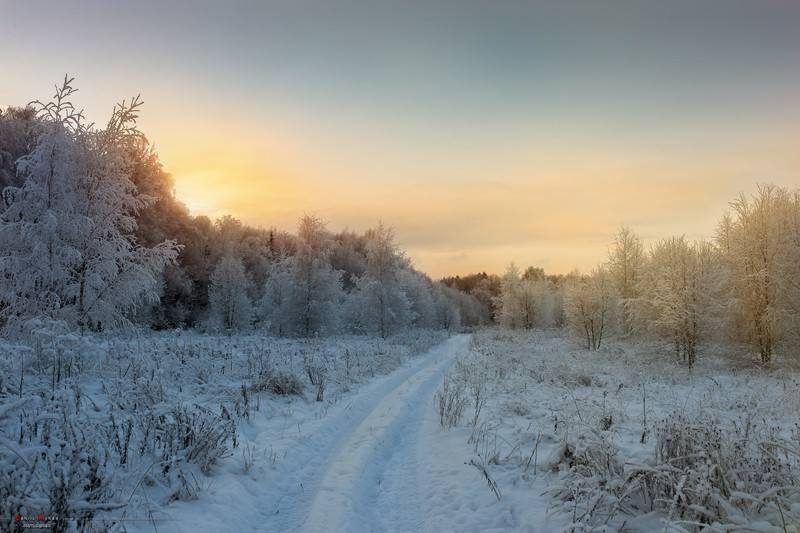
[(361, 472)]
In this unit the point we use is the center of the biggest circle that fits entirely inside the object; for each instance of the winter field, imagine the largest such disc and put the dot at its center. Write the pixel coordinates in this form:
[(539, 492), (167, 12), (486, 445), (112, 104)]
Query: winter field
[(495, 431), (160, 371)]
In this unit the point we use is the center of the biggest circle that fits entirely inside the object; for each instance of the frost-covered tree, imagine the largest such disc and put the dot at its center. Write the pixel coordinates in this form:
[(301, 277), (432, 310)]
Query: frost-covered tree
[(277, 305), (303, 293), (761, 242), (589, 305), (350, 257), (678, 290), (525, 301), (319, 286), (448, 314), (420, 291), (18, 130), (625, 258), (381, 304), (508, 313), (230, 305), (69, 255)]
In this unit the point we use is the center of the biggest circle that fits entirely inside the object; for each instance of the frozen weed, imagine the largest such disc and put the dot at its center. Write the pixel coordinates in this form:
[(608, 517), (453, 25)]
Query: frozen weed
[(450, 401), (278, 382)]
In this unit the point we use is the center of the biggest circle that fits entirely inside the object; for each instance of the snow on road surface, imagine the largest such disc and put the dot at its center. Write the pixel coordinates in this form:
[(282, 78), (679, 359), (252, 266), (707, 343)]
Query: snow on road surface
[(372, 483), (358, 465)]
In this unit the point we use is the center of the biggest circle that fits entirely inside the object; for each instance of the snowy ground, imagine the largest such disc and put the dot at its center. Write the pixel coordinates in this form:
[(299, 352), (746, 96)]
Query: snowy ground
[(627, 439), (352, 466), (380, 460), (540, 434)]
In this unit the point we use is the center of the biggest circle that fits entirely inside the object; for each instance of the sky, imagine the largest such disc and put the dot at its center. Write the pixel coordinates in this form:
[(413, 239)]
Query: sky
[(482, 132)]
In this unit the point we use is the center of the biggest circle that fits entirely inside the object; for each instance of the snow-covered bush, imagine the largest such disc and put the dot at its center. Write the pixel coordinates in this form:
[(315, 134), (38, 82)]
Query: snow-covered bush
[(705, 473), (59, 465), (316, 368), (590, 484), (450, 401), (187, 441), (278, 382), (701, 475)]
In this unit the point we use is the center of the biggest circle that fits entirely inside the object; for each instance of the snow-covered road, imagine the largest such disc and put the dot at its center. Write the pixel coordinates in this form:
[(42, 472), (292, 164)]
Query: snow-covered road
[(358, 465), (371, 482)]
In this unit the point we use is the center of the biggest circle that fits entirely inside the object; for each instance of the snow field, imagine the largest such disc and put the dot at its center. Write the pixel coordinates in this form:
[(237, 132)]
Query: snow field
[(627, 439), (160, 420), (183, 432)]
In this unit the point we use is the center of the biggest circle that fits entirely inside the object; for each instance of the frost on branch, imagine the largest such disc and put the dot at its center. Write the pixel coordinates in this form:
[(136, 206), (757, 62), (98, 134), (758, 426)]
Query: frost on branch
[(70, 259)]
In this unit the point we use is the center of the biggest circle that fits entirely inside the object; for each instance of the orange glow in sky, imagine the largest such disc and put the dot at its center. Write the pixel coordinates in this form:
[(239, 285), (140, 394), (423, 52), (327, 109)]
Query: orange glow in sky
[(484, 134)]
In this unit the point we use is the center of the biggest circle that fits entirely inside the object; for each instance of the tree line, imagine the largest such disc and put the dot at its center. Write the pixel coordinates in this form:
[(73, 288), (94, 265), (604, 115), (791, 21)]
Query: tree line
[(93, 238), (740, 287)]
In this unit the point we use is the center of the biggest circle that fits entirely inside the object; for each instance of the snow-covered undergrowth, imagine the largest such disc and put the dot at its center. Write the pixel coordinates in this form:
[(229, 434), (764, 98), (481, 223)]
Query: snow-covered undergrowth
[(105, 433), (625, 438)]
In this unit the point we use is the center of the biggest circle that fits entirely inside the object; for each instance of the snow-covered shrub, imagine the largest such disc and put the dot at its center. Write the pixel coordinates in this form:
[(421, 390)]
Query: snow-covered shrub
[(316, 368), (62, 356), (277, 382), (18, 462), (186, 441), (450, 401), (59, 466), (701, 474), (194, 434), (705, 473), (590, 485)]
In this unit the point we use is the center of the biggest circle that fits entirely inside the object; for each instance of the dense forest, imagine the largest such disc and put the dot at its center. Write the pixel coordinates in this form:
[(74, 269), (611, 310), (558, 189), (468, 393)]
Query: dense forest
[(93, 238)]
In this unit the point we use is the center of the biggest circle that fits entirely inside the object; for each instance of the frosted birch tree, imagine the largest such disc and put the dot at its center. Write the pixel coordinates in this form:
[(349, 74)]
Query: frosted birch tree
[(506, 304), (420, 291), (762, 240), (525, 301), (276, 306), (589, 305), (303, 293), (382, 305), (69, 256), (678, 288), (230, 305), (624, 264)]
